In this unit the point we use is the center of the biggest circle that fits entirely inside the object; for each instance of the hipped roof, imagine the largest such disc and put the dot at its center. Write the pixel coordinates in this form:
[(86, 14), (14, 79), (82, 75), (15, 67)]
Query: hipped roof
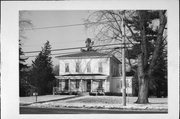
[(86, 54)]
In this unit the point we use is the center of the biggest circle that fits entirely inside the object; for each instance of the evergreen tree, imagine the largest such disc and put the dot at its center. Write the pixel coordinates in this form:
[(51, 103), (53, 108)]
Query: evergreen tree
[(42, 71), (56, 73), (22, 60), (159, 76), (22, 73), (23, 68)]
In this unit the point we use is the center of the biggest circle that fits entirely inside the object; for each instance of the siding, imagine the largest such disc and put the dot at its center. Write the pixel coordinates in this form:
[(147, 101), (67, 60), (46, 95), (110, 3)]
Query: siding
[(83, 66), (114, 68), (116, 85)]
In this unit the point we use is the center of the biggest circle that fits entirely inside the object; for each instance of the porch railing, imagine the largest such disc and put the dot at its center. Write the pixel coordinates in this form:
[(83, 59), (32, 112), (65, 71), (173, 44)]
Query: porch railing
[(56, 90)]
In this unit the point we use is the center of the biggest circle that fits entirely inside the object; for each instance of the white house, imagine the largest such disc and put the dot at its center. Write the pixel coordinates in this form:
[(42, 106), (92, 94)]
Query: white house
[(89, 71)]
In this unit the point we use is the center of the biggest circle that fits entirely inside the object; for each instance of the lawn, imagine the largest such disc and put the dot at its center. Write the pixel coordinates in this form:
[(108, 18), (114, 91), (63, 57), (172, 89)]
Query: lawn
[(105, 102), (97, 99), (113, 100)]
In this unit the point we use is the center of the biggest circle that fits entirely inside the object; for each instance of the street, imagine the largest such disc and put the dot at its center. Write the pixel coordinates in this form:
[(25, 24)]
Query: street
[(34, 110)]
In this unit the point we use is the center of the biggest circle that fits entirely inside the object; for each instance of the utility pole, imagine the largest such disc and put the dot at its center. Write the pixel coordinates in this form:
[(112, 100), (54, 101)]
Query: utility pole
[(123, 64)]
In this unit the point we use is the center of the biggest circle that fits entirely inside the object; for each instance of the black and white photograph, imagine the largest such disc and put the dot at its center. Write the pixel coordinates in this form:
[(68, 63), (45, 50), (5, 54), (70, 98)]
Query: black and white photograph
[(107, 59), (92, 61)]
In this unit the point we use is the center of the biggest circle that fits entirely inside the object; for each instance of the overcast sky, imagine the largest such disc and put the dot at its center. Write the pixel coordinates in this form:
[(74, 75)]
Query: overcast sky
[(60, 37)]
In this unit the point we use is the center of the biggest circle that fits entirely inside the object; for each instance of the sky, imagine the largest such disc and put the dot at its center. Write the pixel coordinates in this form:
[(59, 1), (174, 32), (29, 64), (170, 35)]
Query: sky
[(60, 37)]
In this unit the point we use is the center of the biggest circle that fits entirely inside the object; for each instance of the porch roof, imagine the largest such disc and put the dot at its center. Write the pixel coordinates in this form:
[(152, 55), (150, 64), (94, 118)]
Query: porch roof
[(82, 76)]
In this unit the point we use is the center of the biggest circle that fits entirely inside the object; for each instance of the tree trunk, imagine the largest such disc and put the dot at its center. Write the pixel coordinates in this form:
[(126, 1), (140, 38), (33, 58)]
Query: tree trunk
[(143, 92), (143, 62), (143, 83)]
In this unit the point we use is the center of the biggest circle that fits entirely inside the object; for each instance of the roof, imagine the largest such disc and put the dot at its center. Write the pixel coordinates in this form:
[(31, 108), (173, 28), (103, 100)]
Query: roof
[(82, 76), (87, 54), (83, 54)]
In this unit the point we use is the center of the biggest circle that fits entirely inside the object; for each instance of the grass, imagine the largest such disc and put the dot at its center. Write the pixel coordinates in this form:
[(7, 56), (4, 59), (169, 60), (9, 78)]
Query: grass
[(114, 100), (97, 99), (103, 102)]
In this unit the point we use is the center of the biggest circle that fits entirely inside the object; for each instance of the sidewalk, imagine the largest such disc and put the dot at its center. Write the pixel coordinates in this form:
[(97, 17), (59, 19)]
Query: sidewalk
[(44, 99), (105, 102)]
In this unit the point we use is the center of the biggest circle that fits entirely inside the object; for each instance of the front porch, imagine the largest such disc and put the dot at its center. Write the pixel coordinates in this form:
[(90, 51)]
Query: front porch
[(81, 83)]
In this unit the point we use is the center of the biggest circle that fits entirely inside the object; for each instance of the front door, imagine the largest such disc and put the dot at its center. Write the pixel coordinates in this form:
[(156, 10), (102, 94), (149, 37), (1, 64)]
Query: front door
[(88, 85), (66, 85)]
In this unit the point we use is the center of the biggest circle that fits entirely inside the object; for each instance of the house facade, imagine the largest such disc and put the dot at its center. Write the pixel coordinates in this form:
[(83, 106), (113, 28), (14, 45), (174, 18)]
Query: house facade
[(89, 71)]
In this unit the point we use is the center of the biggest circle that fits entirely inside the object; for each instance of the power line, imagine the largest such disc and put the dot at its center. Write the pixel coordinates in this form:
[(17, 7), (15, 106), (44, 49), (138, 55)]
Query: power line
[(75, 48), (54, 43), (49, 27), (55, 54), (66, 53), (63, 26)]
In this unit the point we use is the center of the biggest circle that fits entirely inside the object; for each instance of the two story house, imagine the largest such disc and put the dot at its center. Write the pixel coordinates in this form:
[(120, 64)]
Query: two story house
[(89, 71)]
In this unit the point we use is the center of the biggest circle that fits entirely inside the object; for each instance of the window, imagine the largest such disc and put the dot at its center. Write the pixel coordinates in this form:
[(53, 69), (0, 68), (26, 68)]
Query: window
[(77, 67), (100, 84), (66, 67), (100, 67), (77, 83), (66, 85), (88, 67)]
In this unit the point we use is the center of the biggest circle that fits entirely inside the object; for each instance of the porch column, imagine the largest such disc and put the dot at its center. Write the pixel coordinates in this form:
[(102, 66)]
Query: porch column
[(81, 86), (105, 85), (61, 85), (91, 85)]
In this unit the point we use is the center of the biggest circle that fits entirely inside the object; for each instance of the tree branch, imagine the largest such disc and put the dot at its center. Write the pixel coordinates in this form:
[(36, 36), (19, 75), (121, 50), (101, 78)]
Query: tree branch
[(163, 21)]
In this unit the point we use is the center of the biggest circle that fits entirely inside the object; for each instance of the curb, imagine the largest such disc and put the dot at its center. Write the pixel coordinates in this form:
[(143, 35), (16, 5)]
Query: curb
[(98, 108), (84, 106)]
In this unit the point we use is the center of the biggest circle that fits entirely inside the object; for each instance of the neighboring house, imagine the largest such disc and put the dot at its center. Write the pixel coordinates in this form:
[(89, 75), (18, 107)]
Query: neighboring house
[(89, 71)]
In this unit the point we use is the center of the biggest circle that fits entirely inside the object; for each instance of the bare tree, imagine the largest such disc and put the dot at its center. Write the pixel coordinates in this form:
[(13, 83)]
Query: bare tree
[(140, 32)]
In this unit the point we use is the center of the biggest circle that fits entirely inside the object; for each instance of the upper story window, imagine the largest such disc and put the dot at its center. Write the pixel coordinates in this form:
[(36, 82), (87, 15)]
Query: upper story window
[(88, 67), (77, 67), (66, 67), (100, 68)]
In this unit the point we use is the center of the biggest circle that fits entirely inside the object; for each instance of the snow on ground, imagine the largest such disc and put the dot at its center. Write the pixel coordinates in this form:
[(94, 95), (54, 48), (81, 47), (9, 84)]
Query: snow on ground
[(32, 99), (106, 102)]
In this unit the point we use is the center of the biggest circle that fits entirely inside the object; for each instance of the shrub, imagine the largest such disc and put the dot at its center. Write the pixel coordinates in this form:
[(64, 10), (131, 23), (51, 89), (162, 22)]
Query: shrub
[(93, 93), (113, 94)]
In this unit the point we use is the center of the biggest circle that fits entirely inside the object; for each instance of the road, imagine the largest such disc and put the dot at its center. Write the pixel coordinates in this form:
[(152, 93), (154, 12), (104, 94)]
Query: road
[(35, 110)]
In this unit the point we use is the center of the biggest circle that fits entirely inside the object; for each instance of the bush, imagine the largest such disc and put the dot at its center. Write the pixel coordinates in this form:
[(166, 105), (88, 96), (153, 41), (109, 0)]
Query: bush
[(100, 93), (113, 94), (64, 93), (93, 93), (76, 93)]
